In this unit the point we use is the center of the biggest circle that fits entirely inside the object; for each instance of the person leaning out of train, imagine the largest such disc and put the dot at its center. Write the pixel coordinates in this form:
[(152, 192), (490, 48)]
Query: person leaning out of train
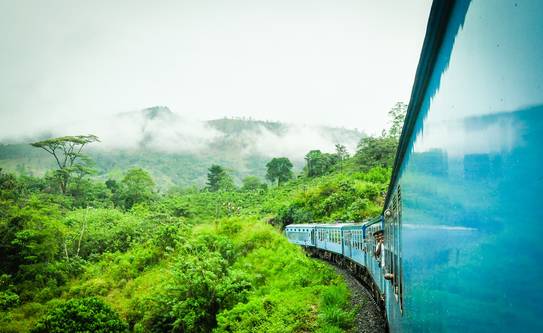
[(379, 246), (379, 252)]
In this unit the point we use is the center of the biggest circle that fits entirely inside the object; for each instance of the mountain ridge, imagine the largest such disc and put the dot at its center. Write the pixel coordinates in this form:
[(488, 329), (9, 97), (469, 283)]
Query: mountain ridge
[(178, 151)]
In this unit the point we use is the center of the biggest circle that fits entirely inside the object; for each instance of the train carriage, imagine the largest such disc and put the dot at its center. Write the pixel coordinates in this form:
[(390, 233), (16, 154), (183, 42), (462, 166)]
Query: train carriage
[(301, 234), (330, 237), (462, 218), (353, 242)]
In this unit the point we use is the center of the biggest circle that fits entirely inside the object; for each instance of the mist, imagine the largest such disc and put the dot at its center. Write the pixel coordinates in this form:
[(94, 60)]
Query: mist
[(160, 129), (305, 62)]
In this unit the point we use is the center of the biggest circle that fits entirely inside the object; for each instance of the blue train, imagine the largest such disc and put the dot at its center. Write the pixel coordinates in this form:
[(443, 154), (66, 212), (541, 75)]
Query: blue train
[(463, 215)]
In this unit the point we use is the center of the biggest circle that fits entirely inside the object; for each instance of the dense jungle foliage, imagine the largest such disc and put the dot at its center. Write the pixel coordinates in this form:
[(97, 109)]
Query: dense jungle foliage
[(120, 256)]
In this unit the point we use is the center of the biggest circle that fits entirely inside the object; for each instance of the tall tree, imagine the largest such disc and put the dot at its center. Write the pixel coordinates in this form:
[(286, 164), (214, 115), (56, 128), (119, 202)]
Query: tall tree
[(219, 179), (67, 153), (341, 152), (279, 169), (397, 115)]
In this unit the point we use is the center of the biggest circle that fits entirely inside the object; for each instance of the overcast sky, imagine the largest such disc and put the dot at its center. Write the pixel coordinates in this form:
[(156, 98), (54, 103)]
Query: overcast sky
[(333, 62)]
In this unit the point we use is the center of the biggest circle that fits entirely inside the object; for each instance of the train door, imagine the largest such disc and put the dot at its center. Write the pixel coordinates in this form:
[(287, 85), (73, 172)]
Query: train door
[(347, 243), (393, 253)]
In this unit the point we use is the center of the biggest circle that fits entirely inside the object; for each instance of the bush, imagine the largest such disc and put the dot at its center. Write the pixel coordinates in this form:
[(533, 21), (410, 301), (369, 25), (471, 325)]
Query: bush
[(8, 299), (81, 315)]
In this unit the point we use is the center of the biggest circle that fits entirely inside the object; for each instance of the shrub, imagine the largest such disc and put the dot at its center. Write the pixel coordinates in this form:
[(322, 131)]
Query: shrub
[(8, 299), (81, 315)]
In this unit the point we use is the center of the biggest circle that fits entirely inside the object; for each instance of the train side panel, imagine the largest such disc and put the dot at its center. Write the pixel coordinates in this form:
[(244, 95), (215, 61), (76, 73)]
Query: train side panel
[(353, 243), (470, 220)]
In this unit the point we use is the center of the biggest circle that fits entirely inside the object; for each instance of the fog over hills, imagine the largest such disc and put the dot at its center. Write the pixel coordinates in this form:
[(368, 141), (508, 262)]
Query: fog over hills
[(178, 149)]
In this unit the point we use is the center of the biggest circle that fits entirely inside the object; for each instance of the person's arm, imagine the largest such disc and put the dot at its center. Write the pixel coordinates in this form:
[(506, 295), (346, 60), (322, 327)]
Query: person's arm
[(377, 251)]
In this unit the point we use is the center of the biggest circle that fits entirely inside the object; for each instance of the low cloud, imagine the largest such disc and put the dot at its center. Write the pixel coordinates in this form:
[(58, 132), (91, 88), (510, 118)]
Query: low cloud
[(297, 141), (160, 129)]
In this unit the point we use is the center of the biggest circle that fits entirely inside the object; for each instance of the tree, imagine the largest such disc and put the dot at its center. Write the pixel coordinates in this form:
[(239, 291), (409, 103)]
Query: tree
[(137, 186), (67, 153), (376, 151), (397, 115), (219, 179), (341, 152), (381, 151), (318, 164), (280, 169)]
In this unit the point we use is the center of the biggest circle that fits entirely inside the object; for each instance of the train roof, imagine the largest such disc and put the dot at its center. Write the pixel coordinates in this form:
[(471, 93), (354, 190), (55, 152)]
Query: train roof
[(335, 225), (338, 225), (435, 31), (305, 225)]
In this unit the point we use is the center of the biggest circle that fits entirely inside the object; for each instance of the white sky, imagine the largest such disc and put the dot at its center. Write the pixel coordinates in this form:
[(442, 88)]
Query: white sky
[(332, 62)]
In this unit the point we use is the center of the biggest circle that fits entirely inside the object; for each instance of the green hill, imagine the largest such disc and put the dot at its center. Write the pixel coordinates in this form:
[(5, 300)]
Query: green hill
[(178, 152)]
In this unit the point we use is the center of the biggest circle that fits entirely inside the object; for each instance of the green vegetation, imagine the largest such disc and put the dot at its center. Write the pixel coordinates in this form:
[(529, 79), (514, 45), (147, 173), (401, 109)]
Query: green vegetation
[(73, 316), (67, 153), (279, 169), (318, 164), (219, 179), (118, 256)]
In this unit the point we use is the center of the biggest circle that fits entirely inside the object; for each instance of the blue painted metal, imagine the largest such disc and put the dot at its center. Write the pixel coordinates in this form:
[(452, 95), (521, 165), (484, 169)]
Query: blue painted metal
[(463, 216), (471, 178)]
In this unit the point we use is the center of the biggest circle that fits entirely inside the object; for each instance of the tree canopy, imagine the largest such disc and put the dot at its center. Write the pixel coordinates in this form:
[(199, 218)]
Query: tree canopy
[(318, 163), (219, 179), (397, 117), (137, 186), (380, 151), (279, 169), (67, 153), (376, 152)]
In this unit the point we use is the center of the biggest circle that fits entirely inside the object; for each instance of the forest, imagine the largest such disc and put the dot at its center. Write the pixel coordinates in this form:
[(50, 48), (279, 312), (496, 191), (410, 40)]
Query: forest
[(79, 253)]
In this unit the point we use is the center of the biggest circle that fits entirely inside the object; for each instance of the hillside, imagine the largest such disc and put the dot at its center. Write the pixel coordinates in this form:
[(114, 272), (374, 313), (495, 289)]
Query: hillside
[(198, 261), (122, 256), (178, 151)]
